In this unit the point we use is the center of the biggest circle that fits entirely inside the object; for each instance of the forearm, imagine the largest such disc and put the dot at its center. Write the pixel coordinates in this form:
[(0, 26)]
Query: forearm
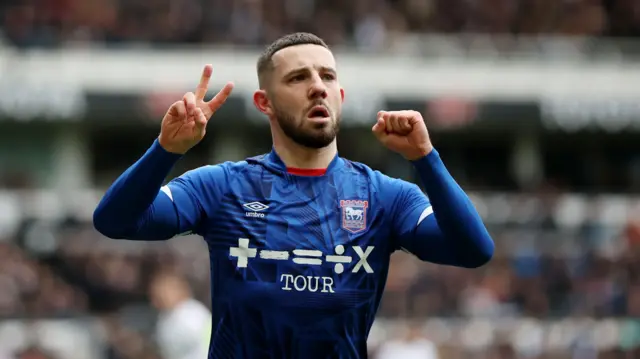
[(132, 207), (465, 239)]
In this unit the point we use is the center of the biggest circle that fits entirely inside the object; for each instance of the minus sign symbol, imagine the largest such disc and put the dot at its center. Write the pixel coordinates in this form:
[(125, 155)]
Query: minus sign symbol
[(278, 255), (339, 259)]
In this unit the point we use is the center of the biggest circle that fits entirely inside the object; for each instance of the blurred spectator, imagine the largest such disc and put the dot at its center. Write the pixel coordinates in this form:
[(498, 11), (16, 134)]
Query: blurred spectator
[(184, 326), (30, 286), (413, 345)]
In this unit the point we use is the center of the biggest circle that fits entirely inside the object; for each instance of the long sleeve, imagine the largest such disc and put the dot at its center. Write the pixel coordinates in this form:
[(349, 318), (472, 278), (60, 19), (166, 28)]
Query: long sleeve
[(138, 207), (444, 228)]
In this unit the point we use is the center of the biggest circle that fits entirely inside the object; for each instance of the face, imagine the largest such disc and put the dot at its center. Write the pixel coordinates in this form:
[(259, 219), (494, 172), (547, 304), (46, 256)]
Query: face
[(157, 293), (165, 291), (303, 95)]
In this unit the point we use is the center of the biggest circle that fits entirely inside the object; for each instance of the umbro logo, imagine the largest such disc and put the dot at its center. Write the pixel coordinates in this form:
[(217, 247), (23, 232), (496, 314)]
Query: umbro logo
[(255, 206), (254, 209)]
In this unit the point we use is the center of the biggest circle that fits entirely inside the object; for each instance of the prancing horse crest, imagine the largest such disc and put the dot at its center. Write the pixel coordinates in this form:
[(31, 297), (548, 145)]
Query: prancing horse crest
[(354, 215)]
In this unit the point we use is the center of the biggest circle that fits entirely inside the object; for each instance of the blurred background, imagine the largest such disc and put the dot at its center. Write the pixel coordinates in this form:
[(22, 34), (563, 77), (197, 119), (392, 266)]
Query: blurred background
[(533, 105)]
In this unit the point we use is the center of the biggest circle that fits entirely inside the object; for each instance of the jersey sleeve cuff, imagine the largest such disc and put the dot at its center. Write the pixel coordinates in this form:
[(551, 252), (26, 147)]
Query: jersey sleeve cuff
[(429, 162), (163, 155)]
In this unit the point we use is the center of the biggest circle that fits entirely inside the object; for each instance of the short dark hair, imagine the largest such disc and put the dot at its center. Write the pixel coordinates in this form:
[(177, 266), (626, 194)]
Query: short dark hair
[(265, 65)]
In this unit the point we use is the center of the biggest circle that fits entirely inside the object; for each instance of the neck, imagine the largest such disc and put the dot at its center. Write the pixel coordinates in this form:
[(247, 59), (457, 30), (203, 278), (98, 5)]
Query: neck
[(296, 156)]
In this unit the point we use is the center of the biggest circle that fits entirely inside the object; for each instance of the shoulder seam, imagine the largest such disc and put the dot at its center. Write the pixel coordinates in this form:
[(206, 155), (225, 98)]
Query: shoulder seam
[(227, 186)]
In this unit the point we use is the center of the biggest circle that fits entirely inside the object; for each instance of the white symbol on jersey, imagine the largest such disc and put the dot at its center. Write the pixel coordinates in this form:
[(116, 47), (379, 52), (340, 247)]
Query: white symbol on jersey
[(362, 263), (303, 256), (254, 209), (255, 206), (339, 259), (354, 214), (307, 283), (242, 252), (308, 253), (277, 255)]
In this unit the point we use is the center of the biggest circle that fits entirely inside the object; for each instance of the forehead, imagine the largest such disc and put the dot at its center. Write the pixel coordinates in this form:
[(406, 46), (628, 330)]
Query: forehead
[(302, 56)]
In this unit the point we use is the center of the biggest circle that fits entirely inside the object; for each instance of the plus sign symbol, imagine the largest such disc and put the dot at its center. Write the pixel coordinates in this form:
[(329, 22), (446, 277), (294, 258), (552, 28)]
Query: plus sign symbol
[(242, 252)]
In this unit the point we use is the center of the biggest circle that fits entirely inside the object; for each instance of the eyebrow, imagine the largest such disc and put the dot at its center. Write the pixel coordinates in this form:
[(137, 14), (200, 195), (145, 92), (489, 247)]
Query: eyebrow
[(304, 69)]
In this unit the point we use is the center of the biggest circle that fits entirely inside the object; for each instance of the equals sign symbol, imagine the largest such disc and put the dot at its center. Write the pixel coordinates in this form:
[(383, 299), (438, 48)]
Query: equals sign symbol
[(315, 254)]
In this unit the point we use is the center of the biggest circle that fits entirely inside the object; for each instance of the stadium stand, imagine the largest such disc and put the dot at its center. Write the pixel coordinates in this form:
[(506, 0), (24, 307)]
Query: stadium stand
[(565, 282)]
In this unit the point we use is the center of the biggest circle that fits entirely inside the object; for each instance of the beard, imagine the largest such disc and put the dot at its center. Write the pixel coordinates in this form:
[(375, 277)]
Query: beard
[(308, 134)]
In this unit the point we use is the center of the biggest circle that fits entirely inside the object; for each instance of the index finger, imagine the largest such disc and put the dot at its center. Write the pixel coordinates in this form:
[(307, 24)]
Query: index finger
[(203, 86)]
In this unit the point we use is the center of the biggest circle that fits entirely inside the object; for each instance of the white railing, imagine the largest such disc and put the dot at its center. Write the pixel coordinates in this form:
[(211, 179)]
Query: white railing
[(509, 68)]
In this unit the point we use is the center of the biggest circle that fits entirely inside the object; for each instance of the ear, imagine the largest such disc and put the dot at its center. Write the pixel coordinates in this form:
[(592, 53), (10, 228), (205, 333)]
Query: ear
[(342, 94), (261, 101)]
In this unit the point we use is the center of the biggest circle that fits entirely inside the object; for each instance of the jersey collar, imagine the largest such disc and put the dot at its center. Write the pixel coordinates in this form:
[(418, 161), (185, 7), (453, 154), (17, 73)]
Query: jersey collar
[(274, 161)]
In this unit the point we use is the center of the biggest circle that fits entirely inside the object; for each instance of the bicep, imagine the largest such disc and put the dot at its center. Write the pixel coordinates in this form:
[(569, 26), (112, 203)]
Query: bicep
[(187, 205), (159, 222), (427, 242), (194, 195), (178, 209), (410, 209), (166, 217), (416, 228)]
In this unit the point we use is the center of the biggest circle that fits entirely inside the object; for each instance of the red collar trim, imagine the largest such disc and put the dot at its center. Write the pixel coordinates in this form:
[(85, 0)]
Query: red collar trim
[(311, 172)]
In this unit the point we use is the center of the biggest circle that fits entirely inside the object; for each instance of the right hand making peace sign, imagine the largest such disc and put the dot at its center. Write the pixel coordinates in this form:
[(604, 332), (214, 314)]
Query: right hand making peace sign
[(185, 123)]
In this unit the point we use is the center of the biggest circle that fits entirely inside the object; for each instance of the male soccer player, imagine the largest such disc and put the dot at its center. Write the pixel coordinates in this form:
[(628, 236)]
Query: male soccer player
[(299, 238)]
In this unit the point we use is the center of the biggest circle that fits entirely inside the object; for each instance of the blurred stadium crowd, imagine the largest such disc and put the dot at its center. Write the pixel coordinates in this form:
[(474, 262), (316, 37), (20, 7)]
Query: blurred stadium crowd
[(560, 257), (557, 260), (362, 23)]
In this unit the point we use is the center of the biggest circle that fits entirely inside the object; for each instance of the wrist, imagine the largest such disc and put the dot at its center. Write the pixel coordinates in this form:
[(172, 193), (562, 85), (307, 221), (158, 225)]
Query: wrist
[(428, 165), (169, 148), (419, 153)]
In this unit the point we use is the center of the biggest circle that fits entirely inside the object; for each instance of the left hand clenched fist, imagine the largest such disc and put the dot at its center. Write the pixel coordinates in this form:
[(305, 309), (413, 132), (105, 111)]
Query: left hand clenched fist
[(403, 132)]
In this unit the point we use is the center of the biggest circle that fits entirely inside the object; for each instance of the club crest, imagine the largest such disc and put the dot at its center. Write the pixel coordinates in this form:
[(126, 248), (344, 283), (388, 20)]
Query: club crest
[(354, 215)]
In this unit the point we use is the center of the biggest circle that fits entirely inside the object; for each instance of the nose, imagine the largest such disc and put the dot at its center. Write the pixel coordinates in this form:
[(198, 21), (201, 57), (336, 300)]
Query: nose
[(318, 89)]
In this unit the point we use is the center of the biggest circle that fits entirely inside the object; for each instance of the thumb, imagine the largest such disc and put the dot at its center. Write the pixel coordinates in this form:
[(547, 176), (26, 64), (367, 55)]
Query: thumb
[(379, 129)]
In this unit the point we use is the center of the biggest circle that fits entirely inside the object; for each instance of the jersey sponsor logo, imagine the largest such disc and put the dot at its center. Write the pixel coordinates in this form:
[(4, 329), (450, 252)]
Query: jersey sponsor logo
[(339, 260), (354, 215), (254, 209), (301, 283), (311, 257)]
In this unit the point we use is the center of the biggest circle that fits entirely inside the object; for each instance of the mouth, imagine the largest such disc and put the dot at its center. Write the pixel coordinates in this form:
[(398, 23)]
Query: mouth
[(318, 113)]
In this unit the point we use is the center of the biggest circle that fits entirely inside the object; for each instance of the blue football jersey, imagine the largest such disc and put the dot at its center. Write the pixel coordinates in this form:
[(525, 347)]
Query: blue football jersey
[(298, 263)]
